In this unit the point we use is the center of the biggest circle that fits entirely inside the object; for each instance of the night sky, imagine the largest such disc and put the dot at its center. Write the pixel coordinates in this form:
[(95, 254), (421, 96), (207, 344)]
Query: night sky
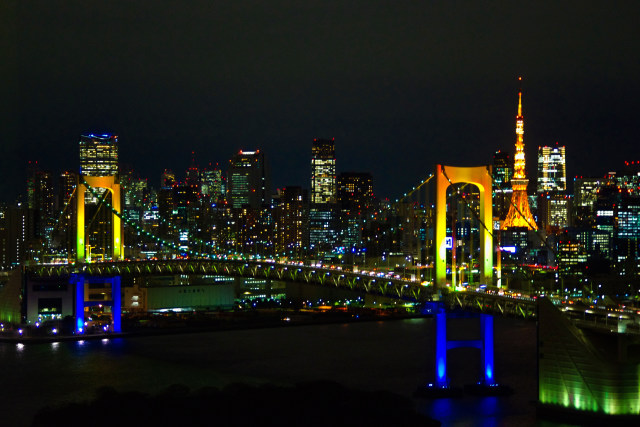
[(401, 85)]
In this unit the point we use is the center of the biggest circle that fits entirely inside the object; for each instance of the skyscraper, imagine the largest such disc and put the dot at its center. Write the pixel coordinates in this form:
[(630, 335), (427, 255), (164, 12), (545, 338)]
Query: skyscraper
[(211, 182), (192, 177), (67, 211), (99, 155), (167, 179), (292, 234), (323, 213), (323, 171), (17, 234), (519, 214), (40, 198), (552, 170), (502, 173), (355, 197), (248, 180), (554, 208)]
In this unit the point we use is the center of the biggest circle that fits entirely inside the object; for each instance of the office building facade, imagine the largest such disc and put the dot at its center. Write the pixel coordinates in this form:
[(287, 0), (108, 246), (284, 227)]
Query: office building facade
[(552, 169), (324, 211), (248, 180)]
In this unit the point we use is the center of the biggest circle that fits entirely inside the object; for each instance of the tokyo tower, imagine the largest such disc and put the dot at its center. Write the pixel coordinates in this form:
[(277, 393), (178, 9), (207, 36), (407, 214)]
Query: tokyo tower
[(519, 214)]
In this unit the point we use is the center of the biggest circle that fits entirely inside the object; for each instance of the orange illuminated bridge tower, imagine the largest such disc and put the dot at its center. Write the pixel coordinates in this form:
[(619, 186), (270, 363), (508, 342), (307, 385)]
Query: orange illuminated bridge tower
[(519, 214)]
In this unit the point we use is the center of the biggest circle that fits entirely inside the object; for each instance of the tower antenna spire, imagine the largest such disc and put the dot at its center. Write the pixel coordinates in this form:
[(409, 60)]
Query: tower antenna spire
[(520, 97)]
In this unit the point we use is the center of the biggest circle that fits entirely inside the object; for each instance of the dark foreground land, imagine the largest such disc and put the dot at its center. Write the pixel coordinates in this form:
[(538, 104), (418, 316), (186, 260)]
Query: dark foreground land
[(310, 404)]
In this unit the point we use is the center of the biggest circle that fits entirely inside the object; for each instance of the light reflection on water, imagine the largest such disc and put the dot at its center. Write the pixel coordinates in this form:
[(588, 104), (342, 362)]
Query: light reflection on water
[(394, 355)]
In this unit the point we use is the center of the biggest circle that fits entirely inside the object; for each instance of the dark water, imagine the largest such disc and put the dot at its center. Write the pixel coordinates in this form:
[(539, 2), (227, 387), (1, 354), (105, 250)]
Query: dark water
[(392, 355)]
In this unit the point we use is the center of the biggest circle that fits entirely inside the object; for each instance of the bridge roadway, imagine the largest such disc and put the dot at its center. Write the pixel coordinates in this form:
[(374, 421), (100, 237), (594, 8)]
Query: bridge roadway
[(504, 305), (379, 283), (374, 282)]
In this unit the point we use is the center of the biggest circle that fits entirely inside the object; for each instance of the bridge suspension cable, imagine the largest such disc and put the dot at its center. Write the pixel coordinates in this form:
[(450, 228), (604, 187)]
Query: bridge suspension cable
[(63, 211), (165, 222), (414, 189), (140, 230)]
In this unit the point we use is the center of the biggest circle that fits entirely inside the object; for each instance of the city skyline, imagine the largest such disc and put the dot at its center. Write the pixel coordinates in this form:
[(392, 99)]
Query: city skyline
[(400, 87), (171, 170)]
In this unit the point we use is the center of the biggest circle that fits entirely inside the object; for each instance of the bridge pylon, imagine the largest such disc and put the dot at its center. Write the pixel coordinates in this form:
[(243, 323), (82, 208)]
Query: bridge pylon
[(481, 177), (112, 184)]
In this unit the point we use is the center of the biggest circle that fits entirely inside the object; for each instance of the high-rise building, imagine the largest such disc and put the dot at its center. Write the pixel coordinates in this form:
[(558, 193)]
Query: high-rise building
[(586, 190), (40, 198), (618, 214), (502, 170), (211, 181), (554, 209), (552, 169), (519, 214), (629, 177), (66, 230), (292, 222), (248, 180), (502, 173), (323, 213), (586, 195), (192, 177), (99, 155), (355, 191), (167, 179), (355, 198), (17, 234), (323, 171)]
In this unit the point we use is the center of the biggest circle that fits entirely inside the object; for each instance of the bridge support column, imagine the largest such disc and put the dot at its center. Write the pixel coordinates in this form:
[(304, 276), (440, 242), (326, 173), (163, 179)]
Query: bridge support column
[(486, 325), (78, 281), (116, 308), (441, 349), (484, 344)]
